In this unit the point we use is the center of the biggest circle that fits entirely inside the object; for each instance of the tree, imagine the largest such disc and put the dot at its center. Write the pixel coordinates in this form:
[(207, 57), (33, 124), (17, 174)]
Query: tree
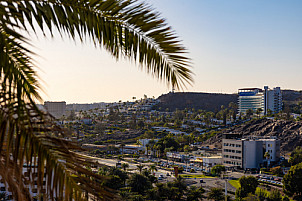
[(249, 113), (116, 178), (124, 28), (261, 194), (125, 166), (267, 157), (72, 116), (292, 181), (99, 128), (122, 147), (275, 195), (147, 148), (216, 194), (140, 168), (179, 183), (269, 112), (152, 168), (259, 111), (195, 194), (140, 124), (186, 148), (247, 185), (277, 171), (296, 156), (139, 183), (217, 170)]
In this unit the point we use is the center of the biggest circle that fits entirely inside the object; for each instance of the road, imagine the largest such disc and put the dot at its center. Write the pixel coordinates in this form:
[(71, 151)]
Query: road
[(208, 182), (132, 166)]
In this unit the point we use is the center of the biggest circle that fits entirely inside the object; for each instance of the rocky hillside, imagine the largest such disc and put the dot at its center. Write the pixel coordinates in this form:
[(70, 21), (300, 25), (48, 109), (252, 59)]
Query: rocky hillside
[(289, 132), (204, 101)]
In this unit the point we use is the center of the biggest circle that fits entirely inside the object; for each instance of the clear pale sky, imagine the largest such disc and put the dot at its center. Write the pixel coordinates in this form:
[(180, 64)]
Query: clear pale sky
[(232, 43)]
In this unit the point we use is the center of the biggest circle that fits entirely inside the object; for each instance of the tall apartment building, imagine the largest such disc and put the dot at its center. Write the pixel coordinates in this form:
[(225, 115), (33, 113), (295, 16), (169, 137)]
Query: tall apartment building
[(273, 99), (57, 109), (255, 98), (248, 152)]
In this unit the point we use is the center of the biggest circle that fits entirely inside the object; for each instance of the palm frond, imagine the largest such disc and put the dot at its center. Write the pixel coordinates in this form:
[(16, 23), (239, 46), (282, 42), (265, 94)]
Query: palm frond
[(126, 28), (123, 27), (32, 139)]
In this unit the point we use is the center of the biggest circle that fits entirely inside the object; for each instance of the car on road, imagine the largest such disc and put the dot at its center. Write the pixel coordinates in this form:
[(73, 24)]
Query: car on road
[(160, 177)]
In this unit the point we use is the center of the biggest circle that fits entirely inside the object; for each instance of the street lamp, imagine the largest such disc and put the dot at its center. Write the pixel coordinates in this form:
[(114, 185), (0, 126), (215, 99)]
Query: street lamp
[(225, 186)]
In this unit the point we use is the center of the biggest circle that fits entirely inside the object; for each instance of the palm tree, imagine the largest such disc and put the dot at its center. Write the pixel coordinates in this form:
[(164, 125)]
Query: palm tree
[(259, 111), (28, 135), (216, 194), (249, 113), (140, 168), (147, 148), (152, 168), (125, 166), (122, 147), (157, 148), (195, 193)]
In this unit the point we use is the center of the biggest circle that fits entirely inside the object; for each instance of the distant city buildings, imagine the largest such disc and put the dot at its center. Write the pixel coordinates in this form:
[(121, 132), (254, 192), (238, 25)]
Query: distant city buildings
[(265, 99), (57, 109), (249, 152)]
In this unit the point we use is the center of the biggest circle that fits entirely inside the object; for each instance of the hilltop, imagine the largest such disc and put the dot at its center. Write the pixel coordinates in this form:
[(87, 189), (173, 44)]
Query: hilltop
[(204, 101), (288, 132), (214, 101)]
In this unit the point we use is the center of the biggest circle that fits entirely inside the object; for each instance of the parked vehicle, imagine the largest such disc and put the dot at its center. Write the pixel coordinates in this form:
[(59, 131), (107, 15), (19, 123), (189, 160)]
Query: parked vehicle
[(160, 177)]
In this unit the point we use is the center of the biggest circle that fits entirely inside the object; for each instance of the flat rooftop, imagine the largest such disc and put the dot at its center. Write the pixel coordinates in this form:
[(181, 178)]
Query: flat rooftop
[(250, 89)]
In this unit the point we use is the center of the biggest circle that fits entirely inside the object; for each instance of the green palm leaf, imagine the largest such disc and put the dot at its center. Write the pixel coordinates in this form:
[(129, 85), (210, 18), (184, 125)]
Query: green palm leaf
[(125, 28)]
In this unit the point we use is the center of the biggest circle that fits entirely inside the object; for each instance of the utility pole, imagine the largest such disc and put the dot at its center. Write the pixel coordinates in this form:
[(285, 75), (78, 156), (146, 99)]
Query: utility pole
[(226, 190)]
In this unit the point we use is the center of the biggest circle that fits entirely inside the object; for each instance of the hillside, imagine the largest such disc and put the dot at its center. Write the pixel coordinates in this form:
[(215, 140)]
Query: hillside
[(289, 132), (213, 101), (291, 95), (203, 101)]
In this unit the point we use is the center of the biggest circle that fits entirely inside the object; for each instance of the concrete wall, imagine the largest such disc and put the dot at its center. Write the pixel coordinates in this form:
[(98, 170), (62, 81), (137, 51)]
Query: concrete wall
[(252, 154)]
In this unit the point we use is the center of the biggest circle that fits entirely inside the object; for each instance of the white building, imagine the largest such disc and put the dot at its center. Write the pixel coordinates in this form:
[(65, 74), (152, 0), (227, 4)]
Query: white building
[(248, 153), (207, 162), (170, 130), (131, 149), (273, 99), (265, 99)]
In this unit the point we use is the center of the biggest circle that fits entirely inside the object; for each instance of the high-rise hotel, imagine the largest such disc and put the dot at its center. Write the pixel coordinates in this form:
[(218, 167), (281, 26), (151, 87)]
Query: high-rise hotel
[(255, 98)]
